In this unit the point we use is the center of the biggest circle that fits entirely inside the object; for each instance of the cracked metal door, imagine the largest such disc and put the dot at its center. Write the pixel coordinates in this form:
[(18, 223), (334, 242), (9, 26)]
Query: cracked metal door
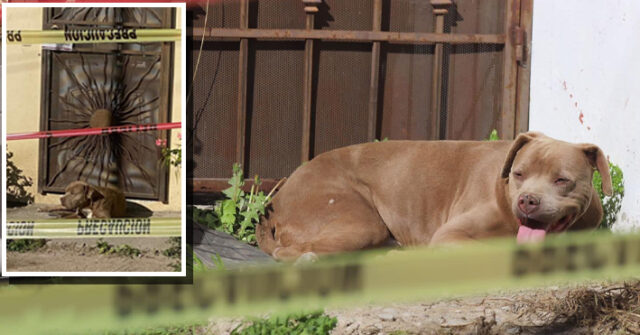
[(101, 85)]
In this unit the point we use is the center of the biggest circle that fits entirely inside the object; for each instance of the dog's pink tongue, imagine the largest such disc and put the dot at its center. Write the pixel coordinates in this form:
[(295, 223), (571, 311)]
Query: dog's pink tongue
[(526, 234)]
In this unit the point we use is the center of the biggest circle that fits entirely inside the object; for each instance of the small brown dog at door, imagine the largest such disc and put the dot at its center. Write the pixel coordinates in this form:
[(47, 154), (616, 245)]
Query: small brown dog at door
[(102, 202), (432, 192)]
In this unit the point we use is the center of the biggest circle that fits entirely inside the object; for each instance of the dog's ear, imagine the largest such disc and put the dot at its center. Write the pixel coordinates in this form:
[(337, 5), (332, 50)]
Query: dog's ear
[(599, 161), (92, 193), (518, 143)]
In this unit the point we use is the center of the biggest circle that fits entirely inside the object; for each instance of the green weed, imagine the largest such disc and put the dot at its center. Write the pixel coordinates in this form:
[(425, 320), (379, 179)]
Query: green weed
[(17, 184), (24, 245), (493, 136), (239, 213), (122, 250), (174, 250), (315, 323), (196, 264), (169, 330), (611, 205)]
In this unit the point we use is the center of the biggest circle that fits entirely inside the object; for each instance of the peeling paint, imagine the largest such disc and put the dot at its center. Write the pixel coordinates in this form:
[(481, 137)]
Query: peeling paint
[(581, 118)]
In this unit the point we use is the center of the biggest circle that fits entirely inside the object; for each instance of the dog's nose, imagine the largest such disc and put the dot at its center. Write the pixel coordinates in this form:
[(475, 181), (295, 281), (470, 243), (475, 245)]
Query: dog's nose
[(528, 203)]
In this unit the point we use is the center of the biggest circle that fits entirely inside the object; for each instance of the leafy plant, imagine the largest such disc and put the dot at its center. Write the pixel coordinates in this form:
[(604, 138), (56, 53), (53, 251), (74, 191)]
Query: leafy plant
[(174, 250), (611, 205), (170, 156), (493, 136), (24, 245), (194, 264), (17, 184), (217, 261), (168, 330), (298, 323), (239, 213), (386, 139), (123, 250)]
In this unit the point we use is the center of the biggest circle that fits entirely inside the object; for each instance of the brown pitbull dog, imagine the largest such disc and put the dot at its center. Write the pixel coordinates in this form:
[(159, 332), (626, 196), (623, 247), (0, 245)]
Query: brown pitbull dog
[(432, 192), (102, 201)]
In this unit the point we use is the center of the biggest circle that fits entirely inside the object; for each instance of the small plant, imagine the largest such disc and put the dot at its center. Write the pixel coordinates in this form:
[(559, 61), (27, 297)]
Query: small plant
[(168, 330), (123, 250), (240, 212), (198, 265), (174, 250), (386, 139), (17, 184), (24, 245), (611, 205), (217, 261), (315, 323), (170, 156), (493, 136)]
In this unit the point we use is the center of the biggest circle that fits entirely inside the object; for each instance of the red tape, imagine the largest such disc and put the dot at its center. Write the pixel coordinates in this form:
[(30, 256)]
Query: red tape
[(92, 131)]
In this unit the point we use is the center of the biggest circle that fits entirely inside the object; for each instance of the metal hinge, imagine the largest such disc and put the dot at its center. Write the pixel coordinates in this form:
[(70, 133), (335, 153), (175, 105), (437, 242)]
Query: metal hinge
[(520, 38)]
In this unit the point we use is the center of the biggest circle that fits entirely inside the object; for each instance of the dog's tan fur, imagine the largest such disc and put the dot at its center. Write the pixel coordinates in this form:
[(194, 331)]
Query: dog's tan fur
[(102, 201), (429, 192)]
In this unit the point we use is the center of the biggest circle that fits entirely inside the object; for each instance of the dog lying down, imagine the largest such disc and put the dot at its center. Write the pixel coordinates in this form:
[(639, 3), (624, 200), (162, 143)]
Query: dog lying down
[(100, 202), (433, 192)]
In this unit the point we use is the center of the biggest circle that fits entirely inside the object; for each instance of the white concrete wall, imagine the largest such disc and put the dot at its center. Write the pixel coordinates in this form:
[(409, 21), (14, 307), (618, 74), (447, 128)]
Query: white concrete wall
[(585, 82)]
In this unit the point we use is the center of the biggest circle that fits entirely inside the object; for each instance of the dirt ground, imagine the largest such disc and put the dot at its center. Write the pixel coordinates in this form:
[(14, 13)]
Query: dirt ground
[(82, 254), (591, 309)]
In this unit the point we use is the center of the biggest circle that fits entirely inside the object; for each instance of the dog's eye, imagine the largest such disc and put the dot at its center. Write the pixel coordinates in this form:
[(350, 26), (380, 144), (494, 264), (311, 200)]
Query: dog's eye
[(518, 174), (561, 181)]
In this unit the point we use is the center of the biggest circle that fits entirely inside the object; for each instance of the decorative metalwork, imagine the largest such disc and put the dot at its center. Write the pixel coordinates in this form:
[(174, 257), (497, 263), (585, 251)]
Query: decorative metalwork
[(109, 15), (102, 94)]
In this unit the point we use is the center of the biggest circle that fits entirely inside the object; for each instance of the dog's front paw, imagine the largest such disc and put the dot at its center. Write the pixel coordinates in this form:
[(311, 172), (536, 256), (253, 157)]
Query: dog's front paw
[(306, 258)]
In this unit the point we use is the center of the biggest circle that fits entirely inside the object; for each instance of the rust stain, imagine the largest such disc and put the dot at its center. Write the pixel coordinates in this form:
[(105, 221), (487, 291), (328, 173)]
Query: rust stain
[(570, 96), (576, 104), (564, 85), (581, 117), (588, 128)]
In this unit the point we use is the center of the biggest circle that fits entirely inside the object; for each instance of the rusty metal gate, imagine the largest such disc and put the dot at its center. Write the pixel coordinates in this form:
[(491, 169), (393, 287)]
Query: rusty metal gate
[(100, 85), (281, 81)]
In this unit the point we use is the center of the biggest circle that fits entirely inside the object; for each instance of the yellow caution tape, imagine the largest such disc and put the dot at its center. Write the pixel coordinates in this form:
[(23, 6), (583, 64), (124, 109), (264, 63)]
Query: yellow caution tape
[(92, 35), (82, 228), (356, 278)]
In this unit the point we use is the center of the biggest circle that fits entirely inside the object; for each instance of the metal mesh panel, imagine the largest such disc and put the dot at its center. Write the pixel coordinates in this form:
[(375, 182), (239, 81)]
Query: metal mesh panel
[(479, 17), (472, 87), (407, 16), (406, 91), (474, 92), (222, 14), (80, 80), (342, 95), (405, 76), (131, 17), (214, 101), (275, 116), (99, 85), (277, 14), (345, 15)]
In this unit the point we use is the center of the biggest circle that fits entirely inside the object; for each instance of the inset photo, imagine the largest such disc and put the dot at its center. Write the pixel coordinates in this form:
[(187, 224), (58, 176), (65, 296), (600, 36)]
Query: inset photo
[(93, 117)]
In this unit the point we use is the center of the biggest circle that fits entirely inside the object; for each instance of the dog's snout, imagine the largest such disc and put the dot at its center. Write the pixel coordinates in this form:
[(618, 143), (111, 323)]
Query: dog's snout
[(528, 203)]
